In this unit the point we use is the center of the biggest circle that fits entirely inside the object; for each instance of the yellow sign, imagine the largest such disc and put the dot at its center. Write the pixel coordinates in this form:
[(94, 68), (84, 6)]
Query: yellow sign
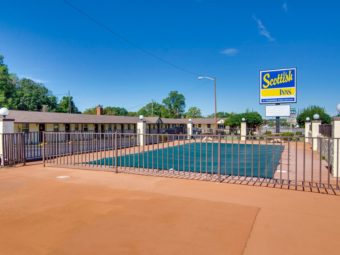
[(278, 86)]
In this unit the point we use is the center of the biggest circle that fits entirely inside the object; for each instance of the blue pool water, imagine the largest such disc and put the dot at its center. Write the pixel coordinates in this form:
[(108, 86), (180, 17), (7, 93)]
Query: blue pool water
[(235, 159)]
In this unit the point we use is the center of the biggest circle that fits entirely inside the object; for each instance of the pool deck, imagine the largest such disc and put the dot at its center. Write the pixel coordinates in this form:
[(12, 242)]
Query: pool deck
[(70, 211)]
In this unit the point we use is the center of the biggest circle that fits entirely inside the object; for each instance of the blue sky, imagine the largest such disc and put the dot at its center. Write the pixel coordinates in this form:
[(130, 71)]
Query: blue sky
[(232, 40)]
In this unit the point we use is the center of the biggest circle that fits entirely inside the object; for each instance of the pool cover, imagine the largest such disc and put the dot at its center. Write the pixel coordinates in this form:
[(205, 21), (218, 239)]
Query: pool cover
[(235, 159)]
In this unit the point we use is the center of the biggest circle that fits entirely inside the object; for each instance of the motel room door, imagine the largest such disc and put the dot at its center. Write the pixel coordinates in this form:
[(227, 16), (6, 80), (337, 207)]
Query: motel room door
[(41, 131), (67, 127), (67, 130)]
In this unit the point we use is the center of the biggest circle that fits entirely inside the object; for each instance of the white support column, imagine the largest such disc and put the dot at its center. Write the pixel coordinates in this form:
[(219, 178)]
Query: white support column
[(315, 133), (336, 147), (141, 131), (243, 130), (6, 127), (307, 129), (190, 129)]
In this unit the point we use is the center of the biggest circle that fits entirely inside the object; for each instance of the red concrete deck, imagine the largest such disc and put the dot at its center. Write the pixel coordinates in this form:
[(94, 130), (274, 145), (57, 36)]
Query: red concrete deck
[(96, 212)]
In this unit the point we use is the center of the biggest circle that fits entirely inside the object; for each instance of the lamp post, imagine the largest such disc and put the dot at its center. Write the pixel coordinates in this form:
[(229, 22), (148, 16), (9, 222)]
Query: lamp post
[(307, 129), (338, 108), (4, 112), (215, 100)]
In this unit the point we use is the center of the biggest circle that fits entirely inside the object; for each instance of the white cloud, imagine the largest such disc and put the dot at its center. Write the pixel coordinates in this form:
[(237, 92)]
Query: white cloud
[(230, 52), (285, 6), (263, 30)]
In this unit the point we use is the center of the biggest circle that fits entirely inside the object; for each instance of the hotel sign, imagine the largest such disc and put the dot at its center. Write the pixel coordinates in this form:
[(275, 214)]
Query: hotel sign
[(278, 86)]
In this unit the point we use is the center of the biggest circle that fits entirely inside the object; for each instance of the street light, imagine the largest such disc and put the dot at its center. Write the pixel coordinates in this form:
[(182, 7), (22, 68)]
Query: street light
[(212, 79), (338, 108), (4, 112), (316, 116)]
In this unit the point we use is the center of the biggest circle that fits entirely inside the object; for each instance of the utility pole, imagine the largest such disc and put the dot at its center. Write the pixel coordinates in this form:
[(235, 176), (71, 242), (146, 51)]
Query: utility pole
[(215, 98), (152, 108), (69, 102), (277, 124), (215, 115)]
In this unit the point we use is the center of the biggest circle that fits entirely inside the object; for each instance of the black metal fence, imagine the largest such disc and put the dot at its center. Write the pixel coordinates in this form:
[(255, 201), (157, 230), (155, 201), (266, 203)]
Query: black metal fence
[(280, 161), (325, 130), (271, 161), (13, 149)]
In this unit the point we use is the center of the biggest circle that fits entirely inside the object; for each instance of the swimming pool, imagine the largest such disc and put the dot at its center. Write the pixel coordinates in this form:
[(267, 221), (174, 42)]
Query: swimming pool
[(256, 160)]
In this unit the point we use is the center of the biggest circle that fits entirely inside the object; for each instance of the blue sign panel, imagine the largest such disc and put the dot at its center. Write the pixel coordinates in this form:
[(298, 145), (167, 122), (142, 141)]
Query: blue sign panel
[(278, 86)]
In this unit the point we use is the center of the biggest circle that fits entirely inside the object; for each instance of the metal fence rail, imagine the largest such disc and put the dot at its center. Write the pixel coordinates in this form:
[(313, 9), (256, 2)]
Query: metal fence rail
[(326, 130), (271, 161), (13, 149)]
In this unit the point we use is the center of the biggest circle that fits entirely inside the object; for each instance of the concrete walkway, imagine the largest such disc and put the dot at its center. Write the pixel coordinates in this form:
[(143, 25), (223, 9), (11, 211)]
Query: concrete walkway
[(70, 211)]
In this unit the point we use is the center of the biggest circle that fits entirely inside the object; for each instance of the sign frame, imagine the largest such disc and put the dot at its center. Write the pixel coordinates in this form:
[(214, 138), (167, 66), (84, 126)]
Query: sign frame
[(277, 98), (276, 108)]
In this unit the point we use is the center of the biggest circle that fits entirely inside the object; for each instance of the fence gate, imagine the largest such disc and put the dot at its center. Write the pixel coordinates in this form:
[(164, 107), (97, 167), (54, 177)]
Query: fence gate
[(13, 149)]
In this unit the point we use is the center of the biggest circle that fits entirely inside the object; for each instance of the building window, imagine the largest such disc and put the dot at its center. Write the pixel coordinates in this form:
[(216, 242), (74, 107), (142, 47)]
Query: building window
[(209, 125), (76, 127), (110, 127), (199, 125), (56, 127), (25, 127), (85, 128)]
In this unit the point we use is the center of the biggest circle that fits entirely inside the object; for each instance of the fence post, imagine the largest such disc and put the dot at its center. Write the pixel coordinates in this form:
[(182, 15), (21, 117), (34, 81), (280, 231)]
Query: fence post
[(43, 148), (307, 129), (141, 131), (336, 146), (116, 153), (190, 129), (219, 158), (243, 130), (23, 147), (6, 127), (315, 133)]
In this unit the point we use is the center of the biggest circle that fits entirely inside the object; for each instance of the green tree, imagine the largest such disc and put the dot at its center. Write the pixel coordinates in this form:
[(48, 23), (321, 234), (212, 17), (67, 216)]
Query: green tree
[(109, 110), (234, 120), (92, 110), (175, 104), (7, 86), (67, 104), (193, 112), (133, 114), (310, 111), (31, 96), (253, 119), (117, 111), (153, 109), (221, 115)]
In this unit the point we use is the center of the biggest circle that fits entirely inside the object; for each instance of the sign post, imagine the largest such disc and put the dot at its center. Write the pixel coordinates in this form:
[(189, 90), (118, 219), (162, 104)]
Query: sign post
[(277, 123), (278, 87)]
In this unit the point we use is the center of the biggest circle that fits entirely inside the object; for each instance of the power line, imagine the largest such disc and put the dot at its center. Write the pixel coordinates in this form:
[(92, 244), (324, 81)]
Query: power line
[(126, 40)]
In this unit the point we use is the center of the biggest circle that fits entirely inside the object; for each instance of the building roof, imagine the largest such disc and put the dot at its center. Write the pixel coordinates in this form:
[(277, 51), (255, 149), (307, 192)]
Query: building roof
[(54, 117), (203, 121)]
